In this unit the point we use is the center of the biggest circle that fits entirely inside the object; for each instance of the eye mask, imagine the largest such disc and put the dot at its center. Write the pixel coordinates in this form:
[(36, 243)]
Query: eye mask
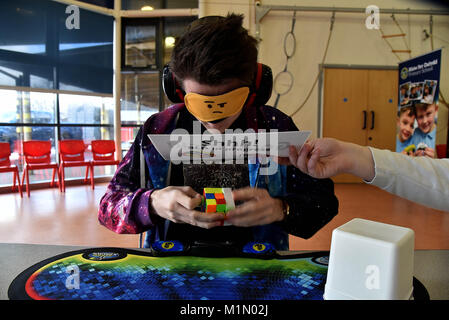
[(212, 108)]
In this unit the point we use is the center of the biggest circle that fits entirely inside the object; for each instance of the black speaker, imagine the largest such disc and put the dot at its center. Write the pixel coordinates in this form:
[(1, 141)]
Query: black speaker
[(260, 90)]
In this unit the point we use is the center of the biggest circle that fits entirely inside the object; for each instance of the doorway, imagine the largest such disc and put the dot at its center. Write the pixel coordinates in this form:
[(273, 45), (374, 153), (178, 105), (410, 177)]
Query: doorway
[(359, 106)]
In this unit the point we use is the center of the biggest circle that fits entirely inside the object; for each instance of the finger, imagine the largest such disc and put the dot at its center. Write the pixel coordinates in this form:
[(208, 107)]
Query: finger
[(199, 219), (190, 192), (208, 220), (245, 193), (249, 214), (186, 200), (313, 161), (303, 156)]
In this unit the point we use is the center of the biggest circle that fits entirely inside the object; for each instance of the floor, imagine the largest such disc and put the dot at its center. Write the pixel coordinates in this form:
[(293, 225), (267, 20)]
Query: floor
[(49, 217)]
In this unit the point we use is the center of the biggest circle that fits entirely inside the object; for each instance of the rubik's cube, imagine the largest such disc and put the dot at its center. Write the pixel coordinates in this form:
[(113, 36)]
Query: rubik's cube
[(217, 200)]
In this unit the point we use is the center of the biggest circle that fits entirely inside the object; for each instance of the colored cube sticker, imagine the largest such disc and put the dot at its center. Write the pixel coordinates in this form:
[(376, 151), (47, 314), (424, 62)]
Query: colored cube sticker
[(217, 200)]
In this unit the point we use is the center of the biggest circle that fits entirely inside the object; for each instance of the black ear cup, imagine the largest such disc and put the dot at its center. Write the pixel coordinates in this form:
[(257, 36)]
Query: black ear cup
[(260, 89), (264, 86), (171, 87)]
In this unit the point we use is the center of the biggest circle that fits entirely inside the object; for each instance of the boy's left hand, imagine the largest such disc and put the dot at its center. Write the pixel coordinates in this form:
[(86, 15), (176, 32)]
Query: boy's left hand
[(259, 208), (429, 152)]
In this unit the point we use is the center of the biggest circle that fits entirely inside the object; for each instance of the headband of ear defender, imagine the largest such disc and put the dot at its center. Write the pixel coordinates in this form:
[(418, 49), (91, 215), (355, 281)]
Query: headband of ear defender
[(260, 90)]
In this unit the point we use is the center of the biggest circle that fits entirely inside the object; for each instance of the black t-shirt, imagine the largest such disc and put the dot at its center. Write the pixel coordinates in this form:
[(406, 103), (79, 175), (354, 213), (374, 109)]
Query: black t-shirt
[(199, 176)]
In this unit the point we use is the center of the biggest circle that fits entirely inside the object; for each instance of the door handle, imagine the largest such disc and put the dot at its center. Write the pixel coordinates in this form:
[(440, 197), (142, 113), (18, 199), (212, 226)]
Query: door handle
[(372, 120), (364, 120)]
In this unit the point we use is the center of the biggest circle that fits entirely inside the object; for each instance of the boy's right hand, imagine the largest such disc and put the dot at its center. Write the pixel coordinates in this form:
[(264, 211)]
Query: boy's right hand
[(177, 204)]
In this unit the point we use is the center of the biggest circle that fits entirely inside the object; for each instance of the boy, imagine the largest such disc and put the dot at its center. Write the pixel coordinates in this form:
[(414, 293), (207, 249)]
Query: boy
[(426, 131), (215, 57), (405, 123)]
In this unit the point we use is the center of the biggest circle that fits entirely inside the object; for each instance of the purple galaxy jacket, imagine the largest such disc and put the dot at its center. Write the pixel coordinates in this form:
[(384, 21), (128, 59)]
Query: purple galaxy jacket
[(126, 205)]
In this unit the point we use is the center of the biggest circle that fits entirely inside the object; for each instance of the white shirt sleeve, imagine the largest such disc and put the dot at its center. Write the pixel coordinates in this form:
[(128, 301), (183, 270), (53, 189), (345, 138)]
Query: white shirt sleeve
[(420, 179)]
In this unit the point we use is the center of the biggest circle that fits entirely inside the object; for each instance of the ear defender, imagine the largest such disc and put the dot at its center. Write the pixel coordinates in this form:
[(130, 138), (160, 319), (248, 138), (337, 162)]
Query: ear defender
[(260, 89), (262, 86), (171, 87)]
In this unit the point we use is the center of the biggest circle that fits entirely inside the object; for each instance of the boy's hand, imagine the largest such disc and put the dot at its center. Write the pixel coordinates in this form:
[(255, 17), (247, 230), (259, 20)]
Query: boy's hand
[(429, 152), (177, 204), (259, 208), (327, 157)]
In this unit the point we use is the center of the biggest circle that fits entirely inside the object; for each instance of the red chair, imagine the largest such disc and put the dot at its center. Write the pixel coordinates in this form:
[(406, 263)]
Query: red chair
[(6, 166), (71, 154), (441, 151), (38, 157), (103, 152)]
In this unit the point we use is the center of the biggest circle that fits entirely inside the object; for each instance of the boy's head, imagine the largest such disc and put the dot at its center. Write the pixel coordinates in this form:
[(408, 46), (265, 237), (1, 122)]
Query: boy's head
[(215, 49), (404, 90), (425, 116), (405, 121), (216, 61)]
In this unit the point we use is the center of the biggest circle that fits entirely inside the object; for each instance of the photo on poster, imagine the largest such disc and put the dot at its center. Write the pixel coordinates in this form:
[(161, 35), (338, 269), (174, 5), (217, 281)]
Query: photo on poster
[(404, 94), (406, 124), (416, 91), (429, 91)]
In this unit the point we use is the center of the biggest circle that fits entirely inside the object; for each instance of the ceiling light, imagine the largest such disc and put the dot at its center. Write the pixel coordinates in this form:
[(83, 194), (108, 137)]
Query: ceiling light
[(169, 42)]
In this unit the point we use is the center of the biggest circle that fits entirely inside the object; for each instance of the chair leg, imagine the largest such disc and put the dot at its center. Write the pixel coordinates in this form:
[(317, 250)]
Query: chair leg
[(59, 178), (19, 185), (28, 181), (52, 183), (62, 179), (17, 176), (87, 174), (92, 177), (14, 181), (23, 178)]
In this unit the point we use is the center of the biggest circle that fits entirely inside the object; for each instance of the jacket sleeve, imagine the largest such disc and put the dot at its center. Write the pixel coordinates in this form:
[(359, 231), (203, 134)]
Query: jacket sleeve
[(420, 179), (312, 203), (126, 207)]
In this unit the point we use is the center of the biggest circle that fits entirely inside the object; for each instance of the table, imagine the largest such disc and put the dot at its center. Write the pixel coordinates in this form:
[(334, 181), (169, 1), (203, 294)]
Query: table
[(430, 265)]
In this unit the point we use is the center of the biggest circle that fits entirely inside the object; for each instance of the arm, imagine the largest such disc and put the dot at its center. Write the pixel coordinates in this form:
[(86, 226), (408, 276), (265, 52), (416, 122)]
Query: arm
[(420, 179), (327, 157), (125, 207)]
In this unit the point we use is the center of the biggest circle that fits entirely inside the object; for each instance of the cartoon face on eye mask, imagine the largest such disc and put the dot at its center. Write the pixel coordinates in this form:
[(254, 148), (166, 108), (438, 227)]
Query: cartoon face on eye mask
[(212, 108)]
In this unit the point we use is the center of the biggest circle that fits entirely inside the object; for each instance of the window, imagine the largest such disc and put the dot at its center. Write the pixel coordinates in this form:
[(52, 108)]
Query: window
[(140, 97), (140, 46), (32, 115), (37, 49), (148, 44), (39, 53)]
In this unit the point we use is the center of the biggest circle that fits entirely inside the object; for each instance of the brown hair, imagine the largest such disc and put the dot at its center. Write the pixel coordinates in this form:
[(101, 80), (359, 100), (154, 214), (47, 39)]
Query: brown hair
[(422, 106), (410, 111), (214, 49)]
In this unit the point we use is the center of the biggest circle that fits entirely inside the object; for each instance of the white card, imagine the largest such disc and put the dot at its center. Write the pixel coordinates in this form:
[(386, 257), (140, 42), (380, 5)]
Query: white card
[(182, 147)]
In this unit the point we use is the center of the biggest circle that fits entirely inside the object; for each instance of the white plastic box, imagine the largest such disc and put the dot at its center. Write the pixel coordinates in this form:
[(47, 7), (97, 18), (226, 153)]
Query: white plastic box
[(370, 260)]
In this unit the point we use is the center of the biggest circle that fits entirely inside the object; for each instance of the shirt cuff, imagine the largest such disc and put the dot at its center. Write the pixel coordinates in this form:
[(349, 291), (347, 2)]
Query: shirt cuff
[(382, 176)]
